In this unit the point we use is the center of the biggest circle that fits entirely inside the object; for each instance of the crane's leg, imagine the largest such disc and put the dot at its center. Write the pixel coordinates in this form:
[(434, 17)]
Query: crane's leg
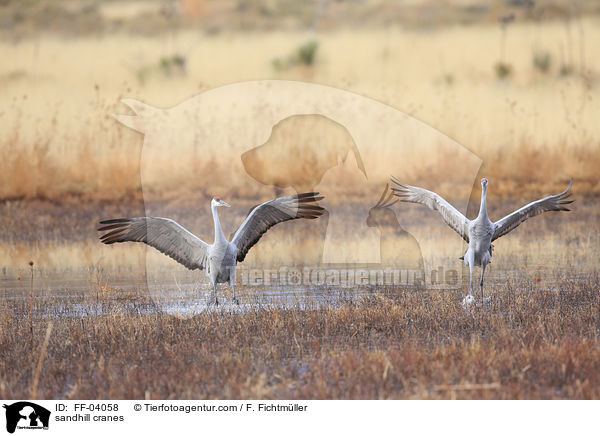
[(483, 265), (468, 300), (232, 283), (471, 278), (212, 271), (215, 293)]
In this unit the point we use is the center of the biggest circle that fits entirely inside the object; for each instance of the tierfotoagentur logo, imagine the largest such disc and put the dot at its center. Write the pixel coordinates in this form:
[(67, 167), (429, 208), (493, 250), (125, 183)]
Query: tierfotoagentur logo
[(346, 277), (25, 415)]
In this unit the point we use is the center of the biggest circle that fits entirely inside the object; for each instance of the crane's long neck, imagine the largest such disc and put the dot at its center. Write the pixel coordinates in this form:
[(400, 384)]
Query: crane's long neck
[(219, 236), (483, 206)]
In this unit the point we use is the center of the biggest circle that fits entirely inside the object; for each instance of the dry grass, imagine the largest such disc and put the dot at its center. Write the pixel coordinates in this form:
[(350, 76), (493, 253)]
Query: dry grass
[(63, 238), (532, 130), (530, 343), (539, 338)]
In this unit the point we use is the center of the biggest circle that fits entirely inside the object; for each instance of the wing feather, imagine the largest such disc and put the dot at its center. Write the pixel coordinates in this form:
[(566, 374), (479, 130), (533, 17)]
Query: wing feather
[(273, 212), (551, 203), (451, 216), (164, 234)]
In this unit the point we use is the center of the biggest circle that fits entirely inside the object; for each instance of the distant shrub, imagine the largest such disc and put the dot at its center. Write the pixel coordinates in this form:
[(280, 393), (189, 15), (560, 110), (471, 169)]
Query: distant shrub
[(503, 70), (303, 55), (172, 64), (445, 79), (542, 61), (565, 70), (167, 66), (278, 64), (307, 52)]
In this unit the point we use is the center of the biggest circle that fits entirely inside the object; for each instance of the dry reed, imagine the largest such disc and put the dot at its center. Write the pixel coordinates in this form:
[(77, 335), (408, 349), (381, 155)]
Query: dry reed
[(532, 133), (530, 343)]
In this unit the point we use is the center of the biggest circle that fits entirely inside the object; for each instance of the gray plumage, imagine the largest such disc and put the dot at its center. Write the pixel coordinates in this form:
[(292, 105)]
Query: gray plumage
[(550, 203), (480, 232), (218, 259), (265, 216), (164, 234)]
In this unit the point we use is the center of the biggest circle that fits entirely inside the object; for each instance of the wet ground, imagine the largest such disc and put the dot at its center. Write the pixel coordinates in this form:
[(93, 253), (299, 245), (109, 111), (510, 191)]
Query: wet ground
[(188, 294), (72, 267)]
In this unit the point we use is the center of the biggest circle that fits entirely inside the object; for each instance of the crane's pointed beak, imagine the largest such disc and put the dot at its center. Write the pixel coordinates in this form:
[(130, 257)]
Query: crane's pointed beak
[(224, 204)]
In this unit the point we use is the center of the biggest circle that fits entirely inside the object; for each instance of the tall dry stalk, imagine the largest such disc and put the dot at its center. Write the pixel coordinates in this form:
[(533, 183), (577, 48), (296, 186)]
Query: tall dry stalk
[(31, 306), (38, 369)]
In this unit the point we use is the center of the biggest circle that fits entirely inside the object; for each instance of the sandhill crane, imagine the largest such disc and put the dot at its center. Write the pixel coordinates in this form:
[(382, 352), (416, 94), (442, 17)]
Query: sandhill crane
[(220, 258), (480, 232)]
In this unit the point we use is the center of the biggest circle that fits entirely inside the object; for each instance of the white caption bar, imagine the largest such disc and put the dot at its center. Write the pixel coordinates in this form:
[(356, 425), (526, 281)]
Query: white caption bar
[(296, 417)]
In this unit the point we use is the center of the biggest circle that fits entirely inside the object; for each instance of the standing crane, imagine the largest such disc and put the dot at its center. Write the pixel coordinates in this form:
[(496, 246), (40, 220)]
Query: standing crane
[(480, 232), (220, 258)]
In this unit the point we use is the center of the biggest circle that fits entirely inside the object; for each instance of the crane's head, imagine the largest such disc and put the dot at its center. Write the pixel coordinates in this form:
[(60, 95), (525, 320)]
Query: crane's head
[(216, 201), (484, 182)]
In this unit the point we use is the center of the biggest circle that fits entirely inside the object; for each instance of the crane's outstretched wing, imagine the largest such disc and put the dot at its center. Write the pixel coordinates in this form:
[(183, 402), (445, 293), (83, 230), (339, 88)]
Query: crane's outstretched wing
[(164, 234), (266, 215), (456, 220), (553, 202), (385, 201)]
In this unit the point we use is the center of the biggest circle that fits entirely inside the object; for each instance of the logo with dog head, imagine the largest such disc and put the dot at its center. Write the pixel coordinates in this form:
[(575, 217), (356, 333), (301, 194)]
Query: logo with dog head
[(26, 415)]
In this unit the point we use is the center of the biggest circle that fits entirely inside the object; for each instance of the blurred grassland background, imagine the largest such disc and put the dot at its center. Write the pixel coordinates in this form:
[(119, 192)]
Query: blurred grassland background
[(515, 81)]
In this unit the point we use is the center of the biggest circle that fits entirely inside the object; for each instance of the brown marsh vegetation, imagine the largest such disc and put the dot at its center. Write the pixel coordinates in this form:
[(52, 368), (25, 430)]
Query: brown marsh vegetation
[(537, 339), (530, 343)]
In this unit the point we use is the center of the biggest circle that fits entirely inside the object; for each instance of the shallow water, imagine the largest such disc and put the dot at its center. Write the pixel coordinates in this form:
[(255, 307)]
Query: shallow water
[(83, 293), (75, 275)]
